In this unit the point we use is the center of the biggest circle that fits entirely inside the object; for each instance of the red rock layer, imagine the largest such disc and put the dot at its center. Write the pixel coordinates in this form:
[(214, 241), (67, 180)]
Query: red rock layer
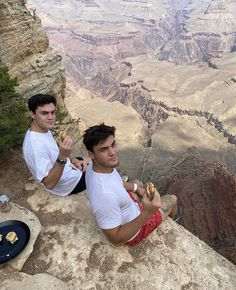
[(207, 193)]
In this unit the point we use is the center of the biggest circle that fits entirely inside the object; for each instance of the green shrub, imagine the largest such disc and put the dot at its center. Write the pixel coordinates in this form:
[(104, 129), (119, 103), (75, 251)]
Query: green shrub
[(13, 113)]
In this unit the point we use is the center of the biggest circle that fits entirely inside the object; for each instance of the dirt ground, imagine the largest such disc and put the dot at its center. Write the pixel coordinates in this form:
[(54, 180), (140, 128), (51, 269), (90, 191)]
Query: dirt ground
[(13, 176)]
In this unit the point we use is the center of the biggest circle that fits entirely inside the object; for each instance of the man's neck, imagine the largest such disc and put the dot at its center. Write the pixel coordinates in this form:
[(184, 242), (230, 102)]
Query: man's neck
[(36, 128), (101, 169)]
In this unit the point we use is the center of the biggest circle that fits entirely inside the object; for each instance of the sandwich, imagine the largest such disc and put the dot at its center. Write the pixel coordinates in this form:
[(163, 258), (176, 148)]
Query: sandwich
[(150, 188), (12, 237), (62, 135)]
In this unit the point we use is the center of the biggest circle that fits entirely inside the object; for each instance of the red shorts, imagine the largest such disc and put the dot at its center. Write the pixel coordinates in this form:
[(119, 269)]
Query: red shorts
[(151, 224)]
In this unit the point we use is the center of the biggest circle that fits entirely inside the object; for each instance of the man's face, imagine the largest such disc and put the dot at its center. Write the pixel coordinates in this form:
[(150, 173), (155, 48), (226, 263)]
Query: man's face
[(44, 117), (105, 155)]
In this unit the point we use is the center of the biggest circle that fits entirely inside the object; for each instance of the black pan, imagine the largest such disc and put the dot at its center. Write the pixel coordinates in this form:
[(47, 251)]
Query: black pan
[(7, 250)]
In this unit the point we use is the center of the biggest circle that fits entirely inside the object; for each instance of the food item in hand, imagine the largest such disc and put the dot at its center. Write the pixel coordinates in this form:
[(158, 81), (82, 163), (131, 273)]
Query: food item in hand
[(0, 238), (62, 135), (12, 237), (150, 189)]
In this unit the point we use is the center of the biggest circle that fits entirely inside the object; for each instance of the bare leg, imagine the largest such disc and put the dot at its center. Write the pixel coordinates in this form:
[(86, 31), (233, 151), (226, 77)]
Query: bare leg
[(168, 206)]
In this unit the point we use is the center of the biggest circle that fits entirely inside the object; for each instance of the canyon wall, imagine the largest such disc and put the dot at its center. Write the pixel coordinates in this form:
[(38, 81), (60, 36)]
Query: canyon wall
[(176, 31), (24, 49), (207, 192), (88, 260), (119, 51)]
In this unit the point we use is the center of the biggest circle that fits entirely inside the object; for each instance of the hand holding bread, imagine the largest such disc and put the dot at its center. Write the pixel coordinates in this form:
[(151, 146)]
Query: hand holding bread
[(62, 135), (65, 145), (150, 188)]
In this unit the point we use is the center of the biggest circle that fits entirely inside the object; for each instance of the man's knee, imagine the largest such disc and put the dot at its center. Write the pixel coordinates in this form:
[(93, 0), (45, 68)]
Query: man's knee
[(169, 202), (172, 198)]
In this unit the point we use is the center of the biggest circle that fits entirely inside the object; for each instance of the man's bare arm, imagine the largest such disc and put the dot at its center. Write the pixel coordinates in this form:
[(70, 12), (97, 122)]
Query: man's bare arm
[(56, 171), (129, 186), (53, 176), (81, 164), (123, 233), (120, 235)]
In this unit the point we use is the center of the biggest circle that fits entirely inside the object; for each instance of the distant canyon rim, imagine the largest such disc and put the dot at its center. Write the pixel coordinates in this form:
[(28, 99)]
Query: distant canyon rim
[(171, 67)]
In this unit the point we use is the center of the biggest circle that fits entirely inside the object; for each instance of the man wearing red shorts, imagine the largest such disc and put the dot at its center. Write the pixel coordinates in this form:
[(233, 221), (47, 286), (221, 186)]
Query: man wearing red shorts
[(122, 210)]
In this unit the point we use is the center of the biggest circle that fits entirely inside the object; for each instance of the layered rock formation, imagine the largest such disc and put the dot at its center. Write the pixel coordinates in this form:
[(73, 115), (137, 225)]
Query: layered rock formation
[(203, 103), (25, 51), (73, 249), (206, 191), (181, 105), (103, 33)]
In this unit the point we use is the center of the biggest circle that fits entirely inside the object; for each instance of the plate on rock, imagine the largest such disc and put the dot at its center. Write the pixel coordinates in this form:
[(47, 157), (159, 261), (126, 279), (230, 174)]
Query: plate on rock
[(7, 250)]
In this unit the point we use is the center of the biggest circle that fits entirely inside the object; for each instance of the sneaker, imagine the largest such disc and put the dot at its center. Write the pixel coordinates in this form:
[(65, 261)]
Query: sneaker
[(179, 213)]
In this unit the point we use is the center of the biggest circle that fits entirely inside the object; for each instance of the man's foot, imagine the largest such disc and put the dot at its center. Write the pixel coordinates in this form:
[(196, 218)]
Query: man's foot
[(179, 213)]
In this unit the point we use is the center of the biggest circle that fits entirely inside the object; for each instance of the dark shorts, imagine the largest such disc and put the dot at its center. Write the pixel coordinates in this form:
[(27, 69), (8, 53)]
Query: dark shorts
[(151, 224), (81, 185)]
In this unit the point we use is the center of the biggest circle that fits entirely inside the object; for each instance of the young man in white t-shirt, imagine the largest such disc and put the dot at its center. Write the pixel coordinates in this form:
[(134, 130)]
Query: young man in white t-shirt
[(49, 164), (122, 218)]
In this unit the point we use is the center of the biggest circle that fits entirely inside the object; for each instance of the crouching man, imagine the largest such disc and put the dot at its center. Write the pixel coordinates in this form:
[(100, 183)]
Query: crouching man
[(122, 218)]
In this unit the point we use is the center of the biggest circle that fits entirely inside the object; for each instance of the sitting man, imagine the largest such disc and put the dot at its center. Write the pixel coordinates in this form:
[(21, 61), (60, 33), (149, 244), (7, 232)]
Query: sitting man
[(122, 219), (50, 165)]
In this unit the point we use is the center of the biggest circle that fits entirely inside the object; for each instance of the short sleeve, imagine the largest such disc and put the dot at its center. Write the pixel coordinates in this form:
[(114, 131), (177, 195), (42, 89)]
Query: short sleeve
[(107, 212)]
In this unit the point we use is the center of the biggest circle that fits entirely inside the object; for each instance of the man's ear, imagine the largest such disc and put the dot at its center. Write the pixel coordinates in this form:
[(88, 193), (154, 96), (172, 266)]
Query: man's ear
[(91, 154), (32, 115)]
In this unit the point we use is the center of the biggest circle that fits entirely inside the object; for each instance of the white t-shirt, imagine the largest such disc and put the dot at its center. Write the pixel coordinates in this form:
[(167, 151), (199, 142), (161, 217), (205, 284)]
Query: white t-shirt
[(109, 200), (40, 152)]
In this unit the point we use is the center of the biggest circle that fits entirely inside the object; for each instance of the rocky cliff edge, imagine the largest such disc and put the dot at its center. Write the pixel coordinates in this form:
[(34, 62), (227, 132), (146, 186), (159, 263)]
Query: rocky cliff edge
[(73, 253)]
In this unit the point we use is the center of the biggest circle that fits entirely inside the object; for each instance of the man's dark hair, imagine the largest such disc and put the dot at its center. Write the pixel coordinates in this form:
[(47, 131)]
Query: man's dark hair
[(96, 134), (39, 100)]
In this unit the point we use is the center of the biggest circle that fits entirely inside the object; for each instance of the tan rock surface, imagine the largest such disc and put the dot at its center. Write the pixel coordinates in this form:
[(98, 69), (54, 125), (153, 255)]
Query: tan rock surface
[(37, 282), (176, 135), (73, 249), (190, 87)]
